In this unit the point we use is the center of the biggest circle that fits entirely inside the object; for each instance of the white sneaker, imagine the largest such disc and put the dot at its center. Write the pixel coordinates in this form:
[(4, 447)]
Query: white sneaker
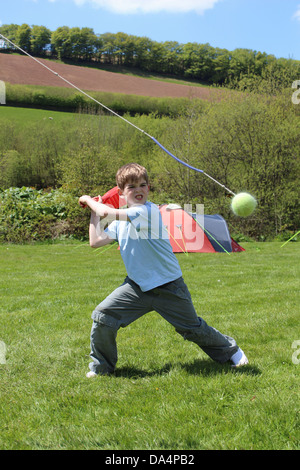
[(239, 359), (91, 374)]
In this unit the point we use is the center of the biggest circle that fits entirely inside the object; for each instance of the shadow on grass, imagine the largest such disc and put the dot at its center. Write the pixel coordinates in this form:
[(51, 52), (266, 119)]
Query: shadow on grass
[(203, 367)]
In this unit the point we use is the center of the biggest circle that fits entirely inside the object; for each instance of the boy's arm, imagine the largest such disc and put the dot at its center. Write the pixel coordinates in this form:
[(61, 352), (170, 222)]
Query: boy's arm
[(97, 236), (103, 210)]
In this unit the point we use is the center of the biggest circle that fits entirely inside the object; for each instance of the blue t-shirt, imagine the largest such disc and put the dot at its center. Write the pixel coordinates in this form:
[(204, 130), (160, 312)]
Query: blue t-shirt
[(145, 247)]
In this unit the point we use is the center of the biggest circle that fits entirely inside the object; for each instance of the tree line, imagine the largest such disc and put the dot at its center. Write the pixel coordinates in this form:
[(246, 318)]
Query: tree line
[(192, 60)]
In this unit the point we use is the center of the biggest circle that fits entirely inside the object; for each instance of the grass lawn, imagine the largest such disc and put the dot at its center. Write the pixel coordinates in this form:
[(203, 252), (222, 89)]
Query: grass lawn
[(23, 117), (166, 393)]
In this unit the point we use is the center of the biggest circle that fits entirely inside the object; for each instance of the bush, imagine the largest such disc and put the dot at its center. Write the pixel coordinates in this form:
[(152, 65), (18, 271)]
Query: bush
[(67, 99), (27, 214)]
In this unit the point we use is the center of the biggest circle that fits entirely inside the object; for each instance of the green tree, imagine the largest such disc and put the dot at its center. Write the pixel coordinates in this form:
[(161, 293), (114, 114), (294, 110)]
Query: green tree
[(10, 32), (173, 63), (75, 41), (83, 43), (40, 40), (156, 57), (61, 44), (23, 37), (89, 43), (142, 51), (109, 48), (198, 61), (242, 61), (124, 49), (221, 64)]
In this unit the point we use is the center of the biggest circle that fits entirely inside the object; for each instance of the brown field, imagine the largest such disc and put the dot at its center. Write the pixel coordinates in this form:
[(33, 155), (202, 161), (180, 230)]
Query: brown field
[(24, 70)]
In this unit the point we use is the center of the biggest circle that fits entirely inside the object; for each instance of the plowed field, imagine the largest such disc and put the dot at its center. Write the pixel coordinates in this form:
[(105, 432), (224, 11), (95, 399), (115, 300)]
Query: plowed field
[(24, 70)]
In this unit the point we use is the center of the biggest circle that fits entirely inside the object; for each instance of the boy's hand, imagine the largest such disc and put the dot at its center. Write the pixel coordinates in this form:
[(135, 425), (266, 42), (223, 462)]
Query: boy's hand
[(84, 199), (102, 210)]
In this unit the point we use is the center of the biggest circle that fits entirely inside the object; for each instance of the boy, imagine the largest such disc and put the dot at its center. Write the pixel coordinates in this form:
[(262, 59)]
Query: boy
[(154, 278)]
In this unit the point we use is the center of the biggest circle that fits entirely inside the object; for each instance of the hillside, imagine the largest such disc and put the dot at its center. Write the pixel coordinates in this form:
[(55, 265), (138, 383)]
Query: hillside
[(16, 69)]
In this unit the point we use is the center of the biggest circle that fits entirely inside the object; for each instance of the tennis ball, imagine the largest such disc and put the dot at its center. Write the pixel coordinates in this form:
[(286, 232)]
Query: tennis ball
[(243, 204)]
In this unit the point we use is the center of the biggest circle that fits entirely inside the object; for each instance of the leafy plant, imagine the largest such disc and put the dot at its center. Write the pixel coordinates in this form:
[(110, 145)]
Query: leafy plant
[(27, 214)]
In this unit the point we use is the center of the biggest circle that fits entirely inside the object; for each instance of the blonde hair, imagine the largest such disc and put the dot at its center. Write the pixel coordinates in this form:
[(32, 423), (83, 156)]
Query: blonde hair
[(132, 172)]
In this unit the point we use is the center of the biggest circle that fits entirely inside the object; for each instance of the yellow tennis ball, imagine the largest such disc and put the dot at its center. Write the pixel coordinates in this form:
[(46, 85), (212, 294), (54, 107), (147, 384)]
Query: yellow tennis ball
[(243, 204)]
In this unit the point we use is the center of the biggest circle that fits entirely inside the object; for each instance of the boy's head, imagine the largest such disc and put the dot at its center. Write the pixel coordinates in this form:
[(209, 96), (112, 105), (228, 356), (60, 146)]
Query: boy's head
[(131, 173)]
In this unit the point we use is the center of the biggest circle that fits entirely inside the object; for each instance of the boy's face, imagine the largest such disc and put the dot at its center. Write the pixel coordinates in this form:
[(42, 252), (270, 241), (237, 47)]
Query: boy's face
[(135, 192)]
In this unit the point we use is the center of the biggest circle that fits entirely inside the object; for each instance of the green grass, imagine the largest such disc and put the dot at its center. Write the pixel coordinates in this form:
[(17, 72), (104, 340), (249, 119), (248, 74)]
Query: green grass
[(25, 116), (166, 393)]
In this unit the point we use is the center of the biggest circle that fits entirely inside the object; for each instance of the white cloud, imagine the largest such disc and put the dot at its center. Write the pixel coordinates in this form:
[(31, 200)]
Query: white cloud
[(296, 15), (151, 6)]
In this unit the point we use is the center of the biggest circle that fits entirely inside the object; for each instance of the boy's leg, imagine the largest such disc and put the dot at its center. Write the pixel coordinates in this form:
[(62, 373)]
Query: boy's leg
[(103, 349), (119, 309), (173, 301)]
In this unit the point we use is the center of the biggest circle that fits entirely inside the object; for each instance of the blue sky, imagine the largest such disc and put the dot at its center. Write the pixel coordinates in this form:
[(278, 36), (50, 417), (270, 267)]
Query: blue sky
[(271, 26)]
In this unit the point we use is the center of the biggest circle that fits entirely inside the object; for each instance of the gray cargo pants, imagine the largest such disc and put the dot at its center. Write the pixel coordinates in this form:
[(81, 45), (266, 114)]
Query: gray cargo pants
[(172, 301)]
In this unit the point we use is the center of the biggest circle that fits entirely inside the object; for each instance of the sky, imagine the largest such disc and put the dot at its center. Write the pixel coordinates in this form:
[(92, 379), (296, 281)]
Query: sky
[(271, 26)]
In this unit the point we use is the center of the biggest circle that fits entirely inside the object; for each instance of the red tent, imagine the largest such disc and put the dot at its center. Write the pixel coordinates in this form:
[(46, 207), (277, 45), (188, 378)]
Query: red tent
[(189, 234)]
